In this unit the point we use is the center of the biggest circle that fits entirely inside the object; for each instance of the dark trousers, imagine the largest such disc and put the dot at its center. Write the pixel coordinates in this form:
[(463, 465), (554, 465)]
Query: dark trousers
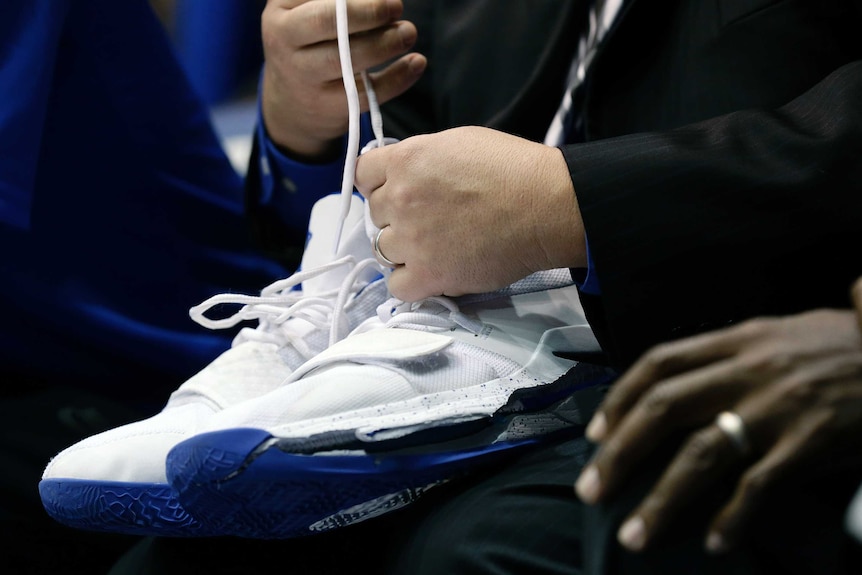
[(36, 422), (523, 518)]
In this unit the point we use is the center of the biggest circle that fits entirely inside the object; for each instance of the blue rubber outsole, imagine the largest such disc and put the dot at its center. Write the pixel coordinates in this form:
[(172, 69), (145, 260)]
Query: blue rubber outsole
[(240, 483), (118, 507), (244, 482)]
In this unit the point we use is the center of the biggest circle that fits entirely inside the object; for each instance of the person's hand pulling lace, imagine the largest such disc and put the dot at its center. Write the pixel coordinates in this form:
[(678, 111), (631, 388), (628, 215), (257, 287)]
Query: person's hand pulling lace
[(303, 102), (470, 210)]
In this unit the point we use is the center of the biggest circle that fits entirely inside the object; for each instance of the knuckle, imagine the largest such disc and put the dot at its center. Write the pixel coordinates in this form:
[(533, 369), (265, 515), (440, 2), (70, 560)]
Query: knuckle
[(658, 402), (609, 454), (278, 26), (399, 199), (272, 25), (754, 482), (408, 152), (700, 453), (400, 153), (652, 506), (329, 63), (755, 328), (856, 292), (321, 17), (820, 424), (660, 358), (377, 12), (768, 361), (800, 390)]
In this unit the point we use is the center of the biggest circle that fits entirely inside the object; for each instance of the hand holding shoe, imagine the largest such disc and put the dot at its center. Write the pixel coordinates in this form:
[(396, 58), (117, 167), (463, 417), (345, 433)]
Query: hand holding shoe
[(470, 210)]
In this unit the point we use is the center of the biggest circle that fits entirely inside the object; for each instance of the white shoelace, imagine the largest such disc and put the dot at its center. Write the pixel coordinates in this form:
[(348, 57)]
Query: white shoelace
[(281, 300), (353, 111)]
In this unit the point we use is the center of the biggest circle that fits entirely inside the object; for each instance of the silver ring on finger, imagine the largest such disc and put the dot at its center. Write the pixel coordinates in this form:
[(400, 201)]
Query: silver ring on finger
[(732, 425), (378, 255)]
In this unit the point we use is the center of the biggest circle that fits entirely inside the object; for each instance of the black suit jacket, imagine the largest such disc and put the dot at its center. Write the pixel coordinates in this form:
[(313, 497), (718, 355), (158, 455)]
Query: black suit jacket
[(721, 178)]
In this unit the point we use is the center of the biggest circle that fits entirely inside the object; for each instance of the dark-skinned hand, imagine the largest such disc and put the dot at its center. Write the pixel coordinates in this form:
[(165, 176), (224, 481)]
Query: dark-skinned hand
[(796, 383)]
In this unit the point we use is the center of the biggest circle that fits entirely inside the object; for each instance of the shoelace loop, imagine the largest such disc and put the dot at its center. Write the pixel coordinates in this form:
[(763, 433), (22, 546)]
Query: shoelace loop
[(283, 300), (439, 312)]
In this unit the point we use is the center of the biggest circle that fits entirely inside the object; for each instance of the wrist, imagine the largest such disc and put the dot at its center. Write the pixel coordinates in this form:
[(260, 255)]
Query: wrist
[(290, 139)]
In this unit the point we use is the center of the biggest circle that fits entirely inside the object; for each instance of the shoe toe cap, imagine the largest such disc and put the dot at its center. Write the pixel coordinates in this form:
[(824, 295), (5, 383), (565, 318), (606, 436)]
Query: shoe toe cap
[(131, 453)]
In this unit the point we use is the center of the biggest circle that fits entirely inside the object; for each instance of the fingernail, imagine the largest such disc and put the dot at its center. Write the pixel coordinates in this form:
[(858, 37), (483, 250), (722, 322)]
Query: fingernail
[(632, 535), (588, 485), (597, 427), (715, 543)]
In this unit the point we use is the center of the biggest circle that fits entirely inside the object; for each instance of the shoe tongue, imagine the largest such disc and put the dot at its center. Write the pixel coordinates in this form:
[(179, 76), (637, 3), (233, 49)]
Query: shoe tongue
[(320, 246), (248, 370)]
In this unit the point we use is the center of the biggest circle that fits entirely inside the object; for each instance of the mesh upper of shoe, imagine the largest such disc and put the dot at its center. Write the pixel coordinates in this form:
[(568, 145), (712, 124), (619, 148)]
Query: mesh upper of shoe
[(298, 317), (429, 361)]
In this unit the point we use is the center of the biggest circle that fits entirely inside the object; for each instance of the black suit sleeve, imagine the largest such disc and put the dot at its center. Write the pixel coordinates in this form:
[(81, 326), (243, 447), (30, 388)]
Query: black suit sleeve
[(751, 213)]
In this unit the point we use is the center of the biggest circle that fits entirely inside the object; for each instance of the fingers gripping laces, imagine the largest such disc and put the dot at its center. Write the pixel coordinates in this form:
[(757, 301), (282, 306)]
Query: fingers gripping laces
[(432, 314), (373, 110), (281, 301)]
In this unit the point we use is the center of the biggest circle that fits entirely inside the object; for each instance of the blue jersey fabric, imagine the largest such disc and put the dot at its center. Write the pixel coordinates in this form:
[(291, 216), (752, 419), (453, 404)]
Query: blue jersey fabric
[(289, 187), (118, 207)]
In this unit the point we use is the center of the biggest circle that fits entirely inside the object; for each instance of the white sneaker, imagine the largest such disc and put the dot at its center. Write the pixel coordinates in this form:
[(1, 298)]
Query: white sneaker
[(328, 449), (115, 481)]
